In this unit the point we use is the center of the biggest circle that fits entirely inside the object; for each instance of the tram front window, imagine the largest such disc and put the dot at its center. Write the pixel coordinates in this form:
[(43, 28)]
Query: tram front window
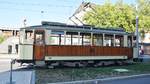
[(39, 39)]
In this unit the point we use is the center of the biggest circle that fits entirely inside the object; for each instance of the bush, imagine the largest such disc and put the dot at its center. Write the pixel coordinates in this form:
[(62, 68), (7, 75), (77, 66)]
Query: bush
[(1, 39)]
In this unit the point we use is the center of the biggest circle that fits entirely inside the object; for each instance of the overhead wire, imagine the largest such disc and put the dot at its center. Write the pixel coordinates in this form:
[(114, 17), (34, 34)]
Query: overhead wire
[(34, 4), (35, 11), (22, 7)]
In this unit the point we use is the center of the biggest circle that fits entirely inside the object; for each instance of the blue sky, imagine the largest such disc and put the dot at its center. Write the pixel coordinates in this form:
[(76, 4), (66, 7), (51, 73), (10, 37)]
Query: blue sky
[(12, 12)]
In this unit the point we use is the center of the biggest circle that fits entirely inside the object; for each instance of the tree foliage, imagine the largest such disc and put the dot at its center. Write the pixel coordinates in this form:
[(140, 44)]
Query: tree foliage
[(144, 14), (119, 15)]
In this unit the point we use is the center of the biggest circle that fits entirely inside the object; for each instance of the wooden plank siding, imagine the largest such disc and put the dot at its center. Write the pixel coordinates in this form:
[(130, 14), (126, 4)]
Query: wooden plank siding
[(39, 52), (74, 50)]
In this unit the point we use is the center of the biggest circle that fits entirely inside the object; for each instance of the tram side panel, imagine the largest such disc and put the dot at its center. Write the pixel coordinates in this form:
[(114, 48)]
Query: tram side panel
[(57, 53), (87, 53), (39, 52)]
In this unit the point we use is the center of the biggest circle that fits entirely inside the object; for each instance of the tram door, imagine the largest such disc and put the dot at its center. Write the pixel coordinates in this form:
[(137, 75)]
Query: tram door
[(39, 45)]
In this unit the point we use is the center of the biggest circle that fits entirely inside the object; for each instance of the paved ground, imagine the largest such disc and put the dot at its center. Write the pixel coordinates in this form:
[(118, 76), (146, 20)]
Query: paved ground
[(8, 56), (21, 75), (145, 58)]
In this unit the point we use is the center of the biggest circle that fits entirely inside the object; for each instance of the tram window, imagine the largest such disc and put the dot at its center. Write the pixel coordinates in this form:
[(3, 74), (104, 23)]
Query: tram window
[(62, 40), (117, 42), (28, 34), (55, 39), (68, 40), (75, 40), (129, 41), (108, 41), (134, 42), (121, 41), (78, 40), (86, 40), (98, 40)]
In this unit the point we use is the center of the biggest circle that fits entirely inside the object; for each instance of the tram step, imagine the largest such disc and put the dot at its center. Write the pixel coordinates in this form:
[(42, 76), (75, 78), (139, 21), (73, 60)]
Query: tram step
[(40, 63)]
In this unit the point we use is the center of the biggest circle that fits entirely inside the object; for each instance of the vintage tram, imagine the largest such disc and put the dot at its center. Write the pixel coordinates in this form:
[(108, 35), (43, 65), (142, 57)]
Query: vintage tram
[(59, 43)]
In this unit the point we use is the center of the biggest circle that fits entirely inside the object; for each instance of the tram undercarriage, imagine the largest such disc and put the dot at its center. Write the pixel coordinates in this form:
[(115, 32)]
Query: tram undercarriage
[(94, 63), (77, 63)]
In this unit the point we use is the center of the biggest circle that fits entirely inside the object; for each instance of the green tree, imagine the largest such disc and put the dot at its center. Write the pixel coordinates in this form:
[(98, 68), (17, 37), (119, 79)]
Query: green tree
[(143, 11), (109, 15)]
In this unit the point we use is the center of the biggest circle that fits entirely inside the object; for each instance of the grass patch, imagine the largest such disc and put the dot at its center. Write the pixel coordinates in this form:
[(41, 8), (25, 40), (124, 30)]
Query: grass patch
[(44, 76)]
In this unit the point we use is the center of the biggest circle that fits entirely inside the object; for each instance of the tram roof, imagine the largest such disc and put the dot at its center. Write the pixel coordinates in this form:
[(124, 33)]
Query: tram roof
[(85, 28)]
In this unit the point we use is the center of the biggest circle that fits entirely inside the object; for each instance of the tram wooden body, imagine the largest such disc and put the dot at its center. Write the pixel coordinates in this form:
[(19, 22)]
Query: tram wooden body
[(58, 43)]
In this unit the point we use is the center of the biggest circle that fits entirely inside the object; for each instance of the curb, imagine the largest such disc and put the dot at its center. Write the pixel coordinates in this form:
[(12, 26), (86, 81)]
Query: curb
[(125, 77), (96, 81)]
